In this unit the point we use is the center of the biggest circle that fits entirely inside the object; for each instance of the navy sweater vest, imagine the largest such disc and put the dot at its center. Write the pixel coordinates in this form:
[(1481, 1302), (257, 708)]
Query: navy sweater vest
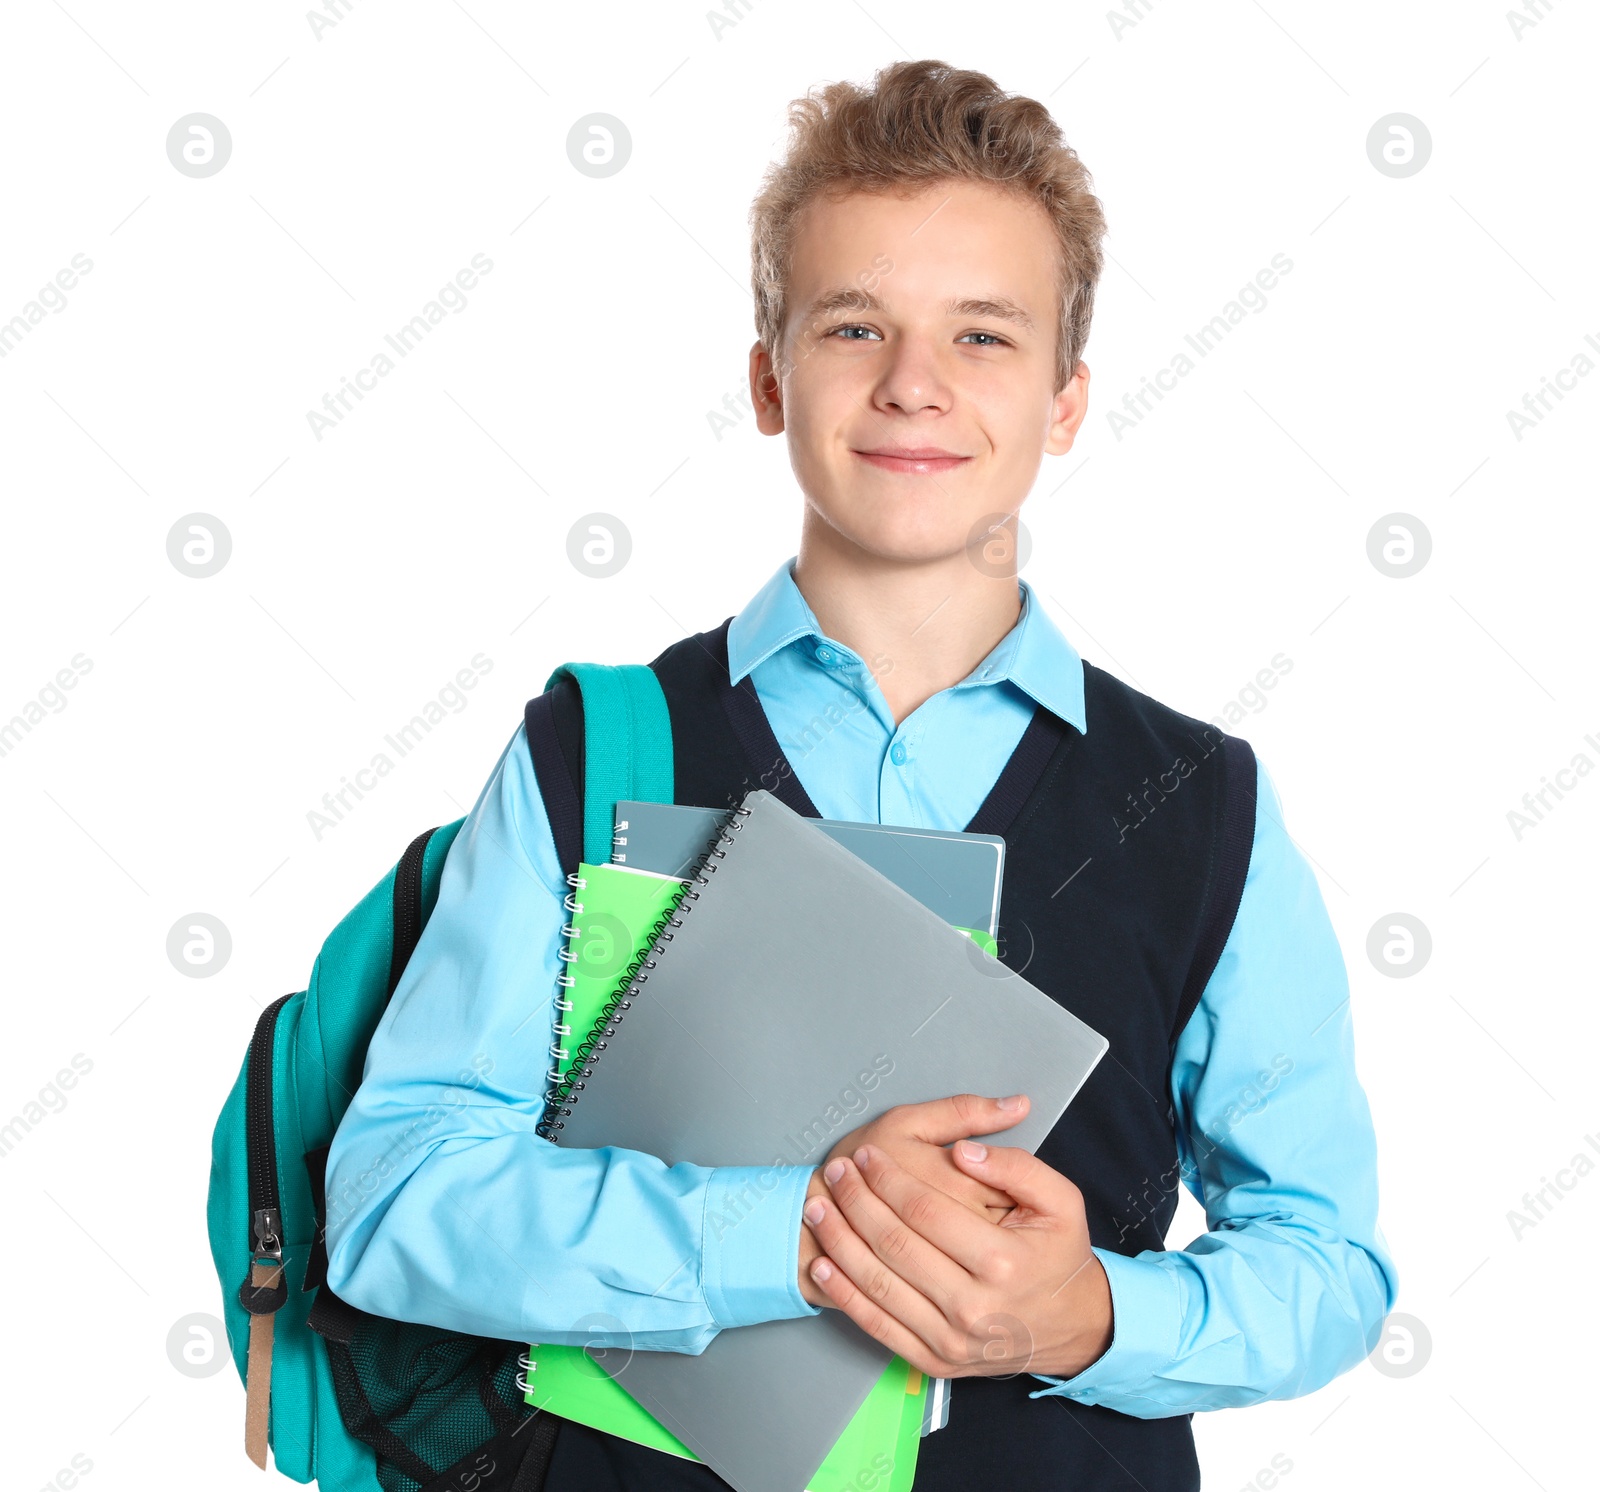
[(1126, 853)]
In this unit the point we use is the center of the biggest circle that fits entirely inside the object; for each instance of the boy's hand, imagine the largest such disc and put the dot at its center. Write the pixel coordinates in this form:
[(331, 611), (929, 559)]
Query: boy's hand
[(915, 1136), (955, 1296)]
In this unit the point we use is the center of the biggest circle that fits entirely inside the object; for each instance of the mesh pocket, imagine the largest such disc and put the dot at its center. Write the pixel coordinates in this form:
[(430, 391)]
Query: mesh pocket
[(442, 1411)]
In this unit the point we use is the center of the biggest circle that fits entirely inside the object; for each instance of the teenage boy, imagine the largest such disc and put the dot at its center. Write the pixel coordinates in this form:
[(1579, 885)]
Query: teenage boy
[(925, 263)]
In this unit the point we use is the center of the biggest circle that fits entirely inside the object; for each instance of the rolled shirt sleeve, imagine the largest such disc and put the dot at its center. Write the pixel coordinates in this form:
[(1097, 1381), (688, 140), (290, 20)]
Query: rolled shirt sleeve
[(1290, 1283), (446, 1207)]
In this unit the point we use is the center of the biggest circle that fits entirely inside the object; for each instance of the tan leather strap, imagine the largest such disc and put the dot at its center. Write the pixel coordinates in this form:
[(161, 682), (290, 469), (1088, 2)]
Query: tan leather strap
[(264, 1274)]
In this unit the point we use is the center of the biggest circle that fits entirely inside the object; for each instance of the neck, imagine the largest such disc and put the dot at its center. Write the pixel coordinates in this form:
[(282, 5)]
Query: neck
[(919, 625)]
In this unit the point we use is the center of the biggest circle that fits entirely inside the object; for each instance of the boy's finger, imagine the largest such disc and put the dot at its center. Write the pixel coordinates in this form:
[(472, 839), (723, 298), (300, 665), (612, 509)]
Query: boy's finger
[(1029, 1180), (893, 1242), (943, 1120), (874, 1320), (934, 1217), (933, 1164), (875, 1280)]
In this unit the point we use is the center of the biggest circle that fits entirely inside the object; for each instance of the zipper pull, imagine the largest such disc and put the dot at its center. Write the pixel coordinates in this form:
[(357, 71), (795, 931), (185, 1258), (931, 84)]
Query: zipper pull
[(267, 1225), (266, 1275)]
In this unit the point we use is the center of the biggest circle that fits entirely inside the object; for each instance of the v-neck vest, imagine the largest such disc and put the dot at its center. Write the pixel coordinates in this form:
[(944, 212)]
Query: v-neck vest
[(1126, 853)]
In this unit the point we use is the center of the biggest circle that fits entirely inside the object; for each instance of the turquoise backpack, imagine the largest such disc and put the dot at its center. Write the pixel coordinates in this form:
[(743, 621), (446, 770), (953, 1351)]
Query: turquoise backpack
[(351, 1401)]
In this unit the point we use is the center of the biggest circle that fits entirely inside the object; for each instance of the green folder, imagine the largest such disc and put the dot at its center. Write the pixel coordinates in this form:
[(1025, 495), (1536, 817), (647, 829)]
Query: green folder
[(878, 1447)]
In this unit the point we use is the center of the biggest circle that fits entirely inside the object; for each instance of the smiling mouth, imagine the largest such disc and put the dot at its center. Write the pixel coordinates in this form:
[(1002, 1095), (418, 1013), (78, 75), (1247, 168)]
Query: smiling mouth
[(917, 460)]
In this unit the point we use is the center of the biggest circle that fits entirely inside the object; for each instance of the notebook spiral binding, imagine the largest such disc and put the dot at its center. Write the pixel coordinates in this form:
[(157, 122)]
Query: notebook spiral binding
[(564, 980), (564, 1088)]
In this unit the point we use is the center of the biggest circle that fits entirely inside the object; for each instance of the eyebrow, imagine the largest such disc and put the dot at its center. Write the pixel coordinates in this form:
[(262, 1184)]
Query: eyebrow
[(853, 298)]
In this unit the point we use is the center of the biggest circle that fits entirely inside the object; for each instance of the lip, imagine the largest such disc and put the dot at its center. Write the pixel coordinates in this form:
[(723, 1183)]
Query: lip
[(921, 460)]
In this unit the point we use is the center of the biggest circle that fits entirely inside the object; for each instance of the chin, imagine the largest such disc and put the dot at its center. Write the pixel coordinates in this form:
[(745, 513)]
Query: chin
[(907, 538)]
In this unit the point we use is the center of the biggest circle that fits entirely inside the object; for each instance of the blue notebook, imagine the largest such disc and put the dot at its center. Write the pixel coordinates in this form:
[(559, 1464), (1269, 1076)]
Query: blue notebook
[(954, 874)]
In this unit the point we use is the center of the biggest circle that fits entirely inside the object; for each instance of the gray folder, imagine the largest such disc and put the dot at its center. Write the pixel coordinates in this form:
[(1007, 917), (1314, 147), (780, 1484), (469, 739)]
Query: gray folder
[(800, 994), (951, 872)]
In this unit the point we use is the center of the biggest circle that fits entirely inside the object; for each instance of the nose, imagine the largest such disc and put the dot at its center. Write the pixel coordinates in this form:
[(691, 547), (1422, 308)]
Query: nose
[(912, 380)]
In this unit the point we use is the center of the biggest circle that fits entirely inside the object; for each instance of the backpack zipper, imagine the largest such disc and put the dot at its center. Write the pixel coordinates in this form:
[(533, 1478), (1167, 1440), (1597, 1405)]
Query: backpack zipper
[(266, 1216), (408, 905)]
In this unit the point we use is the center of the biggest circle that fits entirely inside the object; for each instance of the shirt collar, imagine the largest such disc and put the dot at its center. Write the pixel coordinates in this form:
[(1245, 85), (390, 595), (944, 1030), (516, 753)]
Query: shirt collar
[(1033, 655)]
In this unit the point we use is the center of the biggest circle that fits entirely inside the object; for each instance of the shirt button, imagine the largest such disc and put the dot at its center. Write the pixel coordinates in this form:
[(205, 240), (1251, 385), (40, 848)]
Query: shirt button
[(897, 753), (824, 655)]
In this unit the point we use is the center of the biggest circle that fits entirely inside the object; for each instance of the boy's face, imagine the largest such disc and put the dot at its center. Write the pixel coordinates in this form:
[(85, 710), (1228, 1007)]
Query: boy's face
[(917, 382)]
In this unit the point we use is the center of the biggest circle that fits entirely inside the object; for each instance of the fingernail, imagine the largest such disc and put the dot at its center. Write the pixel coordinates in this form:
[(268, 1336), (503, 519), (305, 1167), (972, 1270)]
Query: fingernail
[(1010, 1104), (833, 1171), (815, 1211), (860, 1157), (822, 1271), (972, 1150)]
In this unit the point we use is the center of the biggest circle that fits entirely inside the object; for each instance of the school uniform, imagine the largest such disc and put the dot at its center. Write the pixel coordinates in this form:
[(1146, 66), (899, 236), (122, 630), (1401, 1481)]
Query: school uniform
[(1150, 886)]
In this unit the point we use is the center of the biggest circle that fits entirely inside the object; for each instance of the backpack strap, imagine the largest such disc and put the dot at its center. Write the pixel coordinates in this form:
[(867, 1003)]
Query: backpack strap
[(627, 751), (553, 725)]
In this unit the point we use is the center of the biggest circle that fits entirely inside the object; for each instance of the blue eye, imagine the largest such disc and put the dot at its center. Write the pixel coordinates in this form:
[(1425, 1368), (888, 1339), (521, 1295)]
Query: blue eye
[(993, 341), (853, 327)]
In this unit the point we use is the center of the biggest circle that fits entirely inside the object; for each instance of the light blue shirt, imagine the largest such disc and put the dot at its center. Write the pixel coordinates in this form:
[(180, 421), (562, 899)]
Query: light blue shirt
[(445, 1207)]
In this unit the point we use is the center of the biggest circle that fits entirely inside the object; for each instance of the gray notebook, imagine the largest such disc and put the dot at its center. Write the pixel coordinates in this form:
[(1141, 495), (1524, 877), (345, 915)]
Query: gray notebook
[(800, 994), (949, 871)]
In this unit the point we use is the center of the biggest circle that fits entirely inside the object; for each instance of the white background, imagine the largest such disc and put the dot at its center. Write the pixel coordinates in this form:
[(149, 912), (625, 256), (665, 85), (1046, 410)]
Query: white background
[(369, 166)]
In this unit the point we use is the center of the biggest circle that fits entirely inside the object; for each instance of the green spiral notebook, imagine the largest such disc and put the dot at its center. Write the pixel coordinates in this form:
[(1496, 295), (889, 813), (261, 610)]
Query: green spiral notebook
[(879, 1446)]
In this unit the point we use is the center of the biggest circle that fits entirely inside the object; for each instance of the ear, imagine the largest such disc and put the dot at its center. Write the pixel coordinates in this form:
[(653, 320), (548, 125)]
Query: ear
[(1067, 412), (766, 392)]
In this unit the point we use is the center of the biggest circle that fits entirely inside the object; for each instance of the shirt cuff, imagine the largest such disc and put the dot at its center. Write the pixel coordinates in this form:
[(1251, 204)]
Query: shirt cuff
[(750, 1245), (1146, 1323)]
